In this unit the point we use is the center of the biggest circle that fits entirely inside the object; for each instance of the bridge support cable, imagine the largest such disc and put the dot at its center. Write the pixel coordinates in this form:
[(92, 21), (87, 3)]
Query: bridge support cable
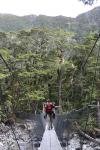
[(10, 70), (12, 129), (30, 136), (94, 79), (83, 66), (95, 75), (84, 63), (93, 82), (5, 63), (5, 109)]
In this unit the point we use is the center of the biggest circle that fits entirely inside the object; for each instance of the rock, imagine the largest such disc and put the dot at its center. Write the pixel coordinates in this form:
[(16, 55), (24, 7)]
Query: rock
[(36, 138), (4, 128), (36, 144), (63, 144), (1, 146), (23, 130), (78, 148), (9, 122), (22, 126)]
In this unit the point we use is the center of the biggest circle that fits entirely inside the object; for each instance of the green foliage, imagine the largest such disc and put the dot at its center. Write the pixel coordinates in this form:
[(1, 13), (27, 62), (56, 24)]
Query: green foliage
[(5, 53), (1, 114), (36, 95), (3, 76), (44, 63)]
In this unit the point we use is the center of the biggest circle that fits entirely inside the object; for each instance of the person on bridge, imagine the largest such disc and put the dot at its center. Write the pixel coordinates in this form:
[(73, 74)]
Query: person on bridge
[(49, 108)]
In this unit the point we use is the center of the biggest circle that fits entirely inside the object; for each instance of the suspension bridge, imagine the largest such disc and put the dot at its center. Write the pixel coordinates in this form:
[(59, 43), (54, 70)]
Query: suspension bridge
[(50, 140)]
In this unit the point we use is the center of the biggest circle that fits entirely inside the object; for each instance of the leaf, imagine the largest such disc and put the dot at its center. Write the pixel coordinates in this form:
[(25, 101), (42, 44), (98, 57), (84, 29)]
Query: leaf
[(5, 53), (2, 76)]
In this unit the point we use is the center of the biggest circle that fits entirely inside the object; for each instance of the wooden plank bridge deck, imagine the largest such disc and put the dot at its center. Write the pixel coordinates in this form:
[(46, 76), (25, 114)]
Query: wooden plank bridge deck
[(50, 140)]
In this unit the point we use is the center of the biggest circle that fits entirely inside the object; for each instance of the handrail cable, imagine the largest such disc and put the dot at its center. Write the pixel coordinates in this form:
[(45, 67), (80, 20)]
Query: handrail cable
[(6, 112), (29, 136), (6, 63), (97, 59), (84, 63), (95, 73)]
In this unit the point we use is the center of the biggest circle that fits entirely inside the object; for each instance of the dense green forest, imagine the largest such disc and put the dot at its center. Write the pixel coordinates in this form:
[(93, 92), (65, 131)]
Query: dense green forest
[(44, 63)]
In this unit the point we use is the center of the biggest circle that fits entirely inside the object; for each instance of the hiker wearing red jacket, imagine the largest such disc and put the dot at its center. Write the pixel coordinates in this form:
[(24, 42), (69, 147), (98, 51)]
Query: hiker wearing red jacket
[(48, 108)]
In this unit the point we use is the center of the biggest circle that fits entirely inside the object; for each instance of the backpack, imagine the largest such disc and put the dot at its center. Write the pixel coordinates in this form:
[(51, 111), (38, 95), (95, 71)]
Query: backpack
[(49, 108)]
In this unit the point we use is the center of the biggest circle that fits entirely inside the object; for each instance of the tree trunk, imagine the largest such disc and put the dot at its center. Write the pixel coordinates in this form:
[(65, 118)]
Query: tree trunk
[(60, 73), (59, 92), (59, 86), (49, 91)]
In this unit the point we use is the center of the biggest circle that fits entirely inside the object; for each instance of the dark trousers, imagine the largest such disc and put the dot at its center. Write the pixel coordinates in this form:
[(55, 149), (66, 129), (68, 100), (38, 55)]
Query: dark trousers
[(50, 113)]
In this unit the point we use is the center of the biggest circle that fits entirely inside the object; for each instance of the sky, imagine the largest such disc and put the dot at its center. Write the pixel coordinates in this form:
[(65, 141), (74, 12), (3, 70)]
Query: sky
[(69, 8)]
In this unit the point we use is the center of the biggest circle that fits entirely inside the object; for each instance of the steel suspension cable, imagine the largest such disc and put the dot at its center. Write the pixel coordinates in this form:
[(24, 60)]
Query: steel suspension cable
[(5, 63), (6, 112), (83, 65), (93, 80), (30, 136), (98, 55), (97, 59), (15, 136), (92, 90)]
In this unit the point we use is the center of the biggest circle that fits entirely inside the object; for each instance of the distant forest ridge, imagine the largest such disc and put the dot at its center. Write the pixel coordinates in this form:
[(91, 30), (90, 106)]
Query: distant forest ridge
[(86, 22)]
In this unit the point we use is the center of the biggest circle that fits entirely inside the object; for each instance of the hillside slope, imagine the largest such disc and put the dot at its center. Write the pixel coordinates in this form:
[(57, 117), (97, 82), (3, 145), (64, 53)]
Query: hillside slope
[(89, 21)]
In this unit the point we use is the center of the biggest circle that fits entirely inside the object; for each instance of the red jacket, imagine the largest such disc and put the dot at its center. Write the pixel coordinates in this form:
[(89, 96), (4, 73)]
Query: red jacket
[(49, 107)]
